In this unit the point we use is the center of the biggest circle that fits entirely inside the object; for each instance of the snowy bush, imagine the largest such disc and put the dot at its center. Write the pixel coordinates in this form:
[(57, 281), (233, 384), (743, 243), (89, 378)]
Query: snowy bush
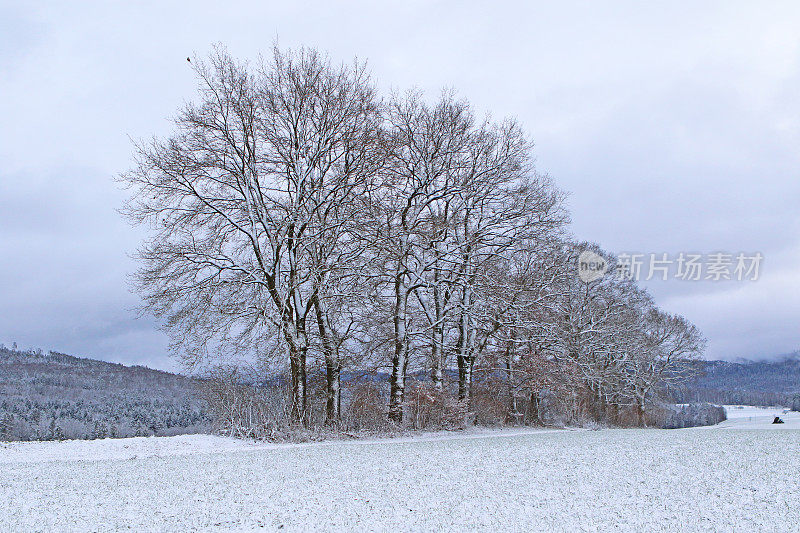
[(685, 416), (244, 410), (429, 408), (366, 409)]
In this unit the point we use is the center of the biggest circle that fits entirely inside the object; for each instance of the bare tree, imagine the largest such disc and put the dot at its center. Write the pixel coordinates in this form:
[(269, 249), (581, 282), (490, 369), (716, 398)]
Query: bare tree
[(242, 199), (508, 208), (667, 348)]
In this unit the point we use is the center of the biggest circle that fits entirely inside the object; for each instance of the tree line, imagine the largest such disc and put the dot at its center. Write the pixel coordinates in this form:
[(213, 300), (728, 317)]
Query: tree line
[(302, 221), (54, 396)]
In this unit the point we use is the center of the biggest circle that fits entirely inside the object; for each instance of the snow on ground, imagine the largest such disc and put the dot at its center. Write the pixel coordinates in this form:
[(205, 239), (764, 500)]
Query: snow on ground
[(749, 417), (708, 479)]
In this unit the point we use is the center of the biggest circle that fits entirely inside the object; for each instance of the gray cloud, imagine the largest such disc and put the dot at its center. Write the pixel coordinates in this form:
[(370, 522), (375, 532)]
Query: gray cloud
[(674, 126)]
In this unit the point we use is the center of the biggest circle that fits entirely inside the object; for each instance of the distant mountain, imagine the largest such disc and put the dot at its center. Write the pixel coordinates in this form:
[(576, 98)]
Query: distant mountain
[(45, 396), (771, 382)]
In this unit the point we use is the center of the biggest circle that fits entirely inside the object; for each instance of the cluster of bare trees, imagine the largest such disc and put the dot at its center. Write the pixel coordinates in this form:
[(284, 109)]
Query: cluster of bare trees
[(299, 218)]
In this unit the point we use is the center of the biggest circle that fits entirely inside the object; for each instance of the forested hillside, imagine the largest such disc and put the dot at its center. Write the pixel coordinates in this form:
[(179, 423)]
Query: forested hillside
[(775, 382), (47, 396)]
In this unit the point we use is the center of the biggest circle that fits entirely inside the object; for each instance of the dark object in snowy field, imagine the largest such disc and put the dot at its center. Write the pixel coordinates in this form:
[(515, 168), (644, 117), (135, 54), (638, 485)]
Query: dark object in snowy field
[(777, 420)]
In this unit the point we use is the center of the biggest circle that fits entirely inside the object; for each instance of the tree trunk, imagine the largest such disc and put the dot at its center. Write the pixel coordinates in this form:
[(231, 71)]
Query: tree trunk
[(333, 399), (533, 409), (603, 406), (513, 412), (437, 339), (397, 388), (465, 359), (333, 369), (465, 379), (297, 364), (640, 413), (437, 370), (466, 342), (397, 384), (297, 341)]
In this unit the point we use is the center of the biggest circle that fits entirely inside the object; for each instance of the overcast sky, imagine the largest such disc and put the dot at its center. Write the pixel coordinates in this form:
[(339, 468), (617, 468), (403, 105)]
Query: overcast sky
[(674, 127)]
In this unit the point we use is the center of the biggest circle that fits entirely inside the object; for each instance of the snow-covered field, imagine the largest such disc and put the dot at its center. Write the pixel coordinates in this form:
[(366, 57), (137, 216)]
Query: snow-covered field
[(752, 417), (739, 476)]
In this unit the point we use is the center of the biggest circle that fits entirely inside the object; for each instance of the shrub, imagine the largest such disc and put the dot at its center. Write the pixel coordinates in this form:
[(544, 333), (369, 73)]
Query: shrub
[(429, 408), (366, 409)]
